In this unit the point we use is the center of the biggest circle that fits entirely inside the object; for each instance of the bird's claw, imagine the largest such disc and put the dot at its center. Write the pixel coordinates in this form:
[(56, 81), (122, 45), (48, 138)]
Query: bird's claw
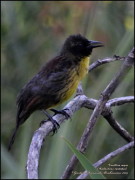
[(56, 125), (63, 112)]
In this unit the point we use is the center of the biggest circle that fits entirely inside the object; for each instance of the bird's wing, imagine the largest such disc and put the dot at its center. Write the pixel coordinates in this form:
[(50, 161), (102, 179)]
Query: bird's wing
[(42, 90)]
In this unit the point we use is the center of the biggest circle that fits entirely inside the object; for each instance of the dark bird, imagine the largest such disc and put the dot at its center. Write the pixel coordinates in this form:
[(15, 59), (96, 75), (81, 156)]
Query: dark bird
[(56, 81)]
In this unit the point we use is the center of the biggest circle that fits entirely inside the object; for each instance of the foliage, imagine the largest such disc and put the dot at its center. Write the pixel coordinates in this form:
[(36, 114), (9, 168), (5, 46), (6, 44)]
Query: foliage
[(87, 165)]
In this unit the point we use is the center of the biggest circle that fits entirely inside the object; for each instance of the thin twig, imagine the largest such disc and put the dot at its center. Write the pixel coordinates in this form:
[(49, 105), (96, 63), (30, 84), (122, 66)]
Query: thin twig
[(107, 157), (120, 101), (110, 103), (118, 128), (100, 62)]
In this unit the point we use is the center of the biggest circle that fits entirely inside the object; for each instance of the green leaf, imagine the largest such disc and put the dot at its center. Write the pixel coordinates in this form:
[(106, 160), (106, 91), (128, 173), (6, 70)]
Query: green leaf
[(93, 172)]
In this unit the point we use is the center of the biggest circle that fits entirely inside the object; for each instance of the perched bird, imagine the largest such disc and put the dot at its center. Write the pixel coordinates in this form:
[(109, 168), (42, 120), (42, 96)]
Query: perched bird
[(56, 81)]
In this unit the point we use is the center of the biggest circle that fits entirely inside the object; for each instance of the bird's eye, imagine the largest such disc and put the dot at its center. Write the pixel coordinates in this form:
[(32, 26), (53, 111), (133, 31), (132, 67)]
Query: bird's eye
[(76, 44)]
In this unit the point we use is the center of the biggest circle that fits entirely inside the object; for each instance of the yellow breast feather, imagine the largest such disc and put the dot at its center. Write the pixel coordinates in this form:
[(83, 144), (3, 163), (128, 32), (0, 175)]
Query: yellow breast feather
[(76, 76)]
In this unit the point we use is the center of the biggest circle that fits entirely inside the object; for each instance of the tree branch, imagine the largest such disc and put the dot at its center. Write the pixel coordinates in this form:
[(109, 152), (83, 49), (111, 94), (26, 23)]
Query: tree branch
[(107, 157), (45, 129), (105, 95), (78, 102), (100, 62), (118, 128), (120, 101), (107, 114), (38, 137)]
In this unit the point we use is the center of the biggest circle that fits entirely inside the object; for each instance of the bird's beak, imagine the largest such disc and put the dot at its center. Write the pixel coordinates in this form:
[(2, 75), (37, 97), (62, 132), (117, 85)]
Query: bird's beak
[(95, 44)]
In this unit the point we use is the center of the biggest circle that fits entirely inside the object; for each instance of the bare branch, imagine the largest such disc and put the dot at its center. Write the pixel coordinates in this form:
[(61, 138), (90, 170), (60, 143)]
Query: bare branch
[(110, 103), (118, 128), (98, 110), (45, 129), (100, 62), (37, 140), (120, 101), (108, 157), (114, 153), (107, 114), (79, 90), (126, 66), (78, 102), (34, 150)]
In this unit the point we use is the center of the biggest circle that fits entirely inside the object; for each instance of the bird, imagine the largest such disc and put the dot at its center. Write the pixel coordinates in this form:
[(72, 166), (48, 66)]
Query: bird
[(56, 81)]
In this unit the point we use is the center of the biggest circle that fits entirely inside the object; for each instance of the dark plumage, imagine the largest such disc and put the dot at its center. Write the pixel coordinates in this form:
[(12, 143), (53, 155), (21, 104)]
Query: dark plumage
[(57, 80)]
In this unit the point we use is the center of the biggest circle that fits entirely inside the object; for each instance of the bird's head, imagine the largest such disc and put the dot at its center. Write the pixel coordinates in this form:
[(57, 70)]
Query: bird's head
[(79, 46)]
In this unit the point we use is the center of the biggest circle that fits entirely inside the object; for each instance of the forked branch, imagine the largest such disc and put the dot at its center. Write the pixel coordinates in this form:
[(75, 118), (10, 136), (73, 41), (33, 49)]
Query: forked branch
[(74, 105)]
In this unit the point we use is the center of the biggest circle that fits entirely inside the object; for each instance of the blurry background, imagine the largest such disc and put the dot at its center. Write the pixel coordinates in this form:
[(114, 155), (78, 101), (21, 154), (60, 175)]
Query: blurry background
[(33, 33)]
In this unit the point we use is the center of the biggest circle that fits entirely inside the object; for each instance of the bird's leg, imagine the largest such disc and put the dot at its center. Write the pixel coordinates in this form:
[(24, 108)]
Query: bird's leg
[(55, 124), (63, 112)]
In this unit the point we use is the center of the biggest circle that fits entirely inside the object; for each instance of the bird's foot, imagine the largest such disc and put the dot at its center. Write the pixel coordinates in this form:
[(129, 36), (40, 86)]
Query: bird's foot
[(63, 112), (55, 123)]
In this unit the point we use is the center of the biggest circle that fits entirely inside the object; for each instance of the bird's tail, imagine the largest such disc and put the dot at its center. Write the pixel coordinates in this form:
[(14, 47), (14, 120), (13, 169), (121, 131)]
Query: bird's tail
[(12, 138)]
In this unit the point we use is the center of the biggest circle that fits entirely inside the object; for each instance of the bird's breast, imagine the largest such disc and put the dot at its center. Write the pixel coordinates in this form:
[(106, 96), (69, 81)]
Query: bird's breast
[(76, 74), (82, 68)]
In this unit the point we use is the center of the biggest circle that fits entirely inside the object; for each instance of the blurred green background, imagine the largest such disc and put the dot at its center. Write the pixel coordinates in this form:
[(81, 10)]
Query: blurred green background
[(32, 33)]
